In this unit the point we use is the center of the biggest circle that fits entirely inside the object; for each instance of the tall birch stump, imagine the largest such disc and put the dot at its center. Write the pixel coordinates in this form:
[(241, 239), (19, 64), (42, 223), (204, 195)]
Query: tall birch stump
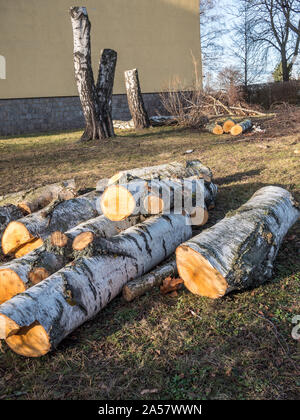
[(104, 87), (36, 321), (239, 251), (135, 100), (97, 125)]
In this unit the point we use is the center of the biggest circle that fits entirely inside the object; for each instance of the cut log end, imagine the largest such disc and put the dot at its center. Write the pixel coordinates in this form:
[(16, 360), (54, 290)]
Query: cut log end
[(199, 276), (32, 341), (59, 239), (7, 327), (82, 241), (218, 129), (236, 130), (14, 236), (37, 275), (30, 246), (117, 203), (227, 126), (25, 208), (199, 217), (10, 285), (153, 204)]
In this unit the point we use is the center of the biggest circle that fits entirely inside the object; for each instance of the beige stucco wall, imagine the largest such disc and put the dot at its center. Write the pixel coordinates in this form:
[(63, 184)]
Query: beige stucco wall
[(155, 36)]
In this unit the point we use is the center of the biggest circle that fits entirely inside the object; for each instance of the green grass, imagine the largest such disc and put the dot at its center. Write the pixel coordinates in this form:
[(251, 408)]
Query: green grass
[(237, 347)]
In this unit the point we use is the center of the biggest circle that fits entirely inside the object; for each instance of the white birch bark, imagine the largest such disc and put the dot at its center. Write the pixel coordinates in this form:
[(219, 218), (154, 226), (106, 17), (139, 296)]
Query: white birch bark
[(135, 100), (75, 294), (239, 251)]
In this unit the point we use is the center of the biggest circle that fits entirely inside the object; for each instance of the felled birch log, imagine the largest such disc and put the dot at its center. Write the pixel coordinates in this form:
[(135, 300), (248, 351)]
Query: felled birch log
[(35, 199), (239, 251), (36, 321), (59, 249), (241, 127), (8, 213), (214, 128), (143, 284), (174, 170), (228, 124), (60, 216)]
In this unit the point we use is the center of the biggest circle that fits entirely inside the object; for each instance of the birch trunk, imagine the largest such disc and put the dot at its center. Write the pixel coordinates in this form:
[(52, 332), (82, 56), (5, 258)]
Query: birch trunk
[(241, 127), (239, 251), (58, 250), (96, 126), (35, 199), (174, 170), (62, 216), (36, 321), (143, 284), (135, 100), (8, 213), (104, 87)]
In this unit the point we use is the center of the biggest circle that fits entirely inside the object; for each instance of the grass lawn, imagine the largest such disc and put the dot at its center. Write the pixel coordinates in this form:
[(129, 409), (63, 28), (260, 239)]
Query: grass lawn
[(237, 347)]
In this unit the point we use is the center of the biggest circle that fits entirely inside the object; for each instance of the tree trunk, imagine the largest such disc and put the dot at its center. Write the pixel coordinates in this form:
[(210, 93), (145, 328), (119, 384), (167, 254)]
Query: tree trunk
[(142, 285), (35, 199), (174, 170), (60, 216), (37, 320), (104, 87), (59, 249), (239, 251), (135, 100), (241, 127), (96, 126), (228, 124)]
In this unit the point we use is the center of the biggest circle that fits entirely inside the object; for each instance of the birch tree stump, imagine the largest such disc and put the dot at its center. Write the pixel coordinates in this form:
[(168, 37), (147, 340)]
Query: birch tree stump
[(35, 199), (241, 127), (62, 216), (143, 284), (36, 321), (239, 251), (135, 100), (58, 250), (174, 170), (97, 125), (104, 87)]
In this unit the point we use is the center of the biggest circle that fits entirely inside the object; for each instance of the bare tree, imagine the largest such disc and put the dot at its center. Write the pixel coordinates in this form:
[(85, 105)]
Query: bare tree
[(249, 55), (291, 10), (211, 31), (271, 30)]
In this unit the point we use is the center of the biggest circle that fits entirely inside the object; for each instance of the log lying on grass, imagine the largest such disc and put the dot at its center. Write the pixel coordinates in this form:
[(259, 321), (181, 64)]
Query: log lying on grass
[(228, 124), (241, 127), (58, 250), (36, 198), (239, 251), (36, 321), (60, 216), (143, 284), (174, 170), (214, 128), (154, 197)]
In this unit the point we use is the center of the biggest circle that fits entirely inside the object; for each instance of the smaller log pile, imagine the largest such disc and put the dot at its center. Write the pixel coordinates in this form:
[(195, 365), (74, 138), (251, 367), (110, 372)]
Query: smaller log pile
[(230, 126)]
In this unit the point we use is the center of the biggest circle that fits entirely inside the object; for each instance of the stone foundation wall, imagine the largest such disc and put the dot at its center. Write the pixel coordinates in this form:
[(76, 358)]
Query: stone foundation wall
[(37, 115)]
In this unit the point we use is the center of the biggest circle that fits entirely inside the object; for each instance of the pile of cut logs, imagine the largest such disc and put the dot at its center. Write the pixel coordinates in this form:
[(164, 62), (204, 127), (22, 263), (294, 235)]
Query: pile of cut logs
[(229, 126), (71, 255)]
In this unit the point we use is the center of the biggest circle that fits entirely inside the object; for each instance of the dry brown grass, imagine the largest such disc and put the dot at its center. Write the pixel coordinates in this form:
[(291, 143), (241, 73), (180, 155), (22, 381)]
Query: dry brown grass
[(239, 347)]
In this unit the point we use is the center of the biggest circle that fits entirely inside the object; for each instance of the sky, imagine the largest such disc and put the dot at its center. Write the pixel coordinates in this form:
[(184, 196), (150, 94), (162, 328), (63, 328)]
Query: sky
[(223, 8)]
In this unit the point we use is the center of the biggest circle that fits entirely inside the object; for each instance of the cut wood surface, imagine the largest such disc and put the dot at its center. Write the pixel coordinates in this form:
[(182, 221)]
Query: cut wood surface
[(37, 320), (241, 127), (59, 249), (143, 284), (228, 124), (239, 251), (174, 170), (60, 216), (9, 213), (135, 100), (214, 128)]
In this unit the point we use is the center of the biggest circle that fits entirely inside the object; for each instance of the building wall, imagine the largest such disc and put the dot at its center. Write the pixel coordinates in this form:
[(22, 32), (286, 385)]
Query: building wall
[(155, 36), (36, 115)]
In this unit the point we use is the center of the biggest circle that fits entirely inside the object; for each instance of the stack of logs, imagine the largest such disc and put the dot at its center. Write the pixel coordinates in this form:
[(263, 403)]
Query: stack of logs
[(74, 254), (229, 126)]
